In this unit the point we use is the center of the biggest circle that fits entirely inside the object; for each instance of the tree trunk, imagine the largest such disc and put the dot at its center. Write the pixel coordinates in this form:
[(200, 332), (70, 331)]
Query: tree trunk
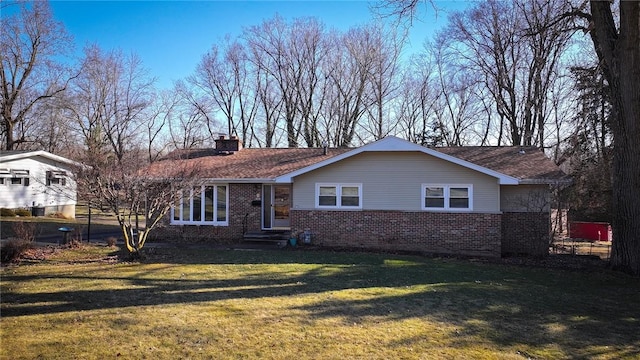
[(619, 54)]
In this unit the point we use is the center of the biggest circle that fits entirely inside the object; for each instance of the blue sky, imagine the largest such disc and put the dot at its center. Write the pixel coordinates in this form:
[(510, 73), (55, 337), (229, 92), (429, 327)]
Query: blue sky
[(171, 36)]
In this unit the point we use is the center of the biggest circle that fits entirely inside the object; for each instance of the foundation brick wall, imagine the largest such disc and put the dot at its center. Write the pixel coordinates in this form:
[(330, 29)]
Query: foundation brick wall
[(526, 233), (240, 198), (428, 232)]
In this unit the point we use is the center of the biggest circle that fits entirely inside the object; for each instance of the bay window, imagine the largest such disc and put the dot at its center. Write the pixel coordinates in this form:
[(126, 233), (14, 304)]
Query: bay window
[(202, 205)]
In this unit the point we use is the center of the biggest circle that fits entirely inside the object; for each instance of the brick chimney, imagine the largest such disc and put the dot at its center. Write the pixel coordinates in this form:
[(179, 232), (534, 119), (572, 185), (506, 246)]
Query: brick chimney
[(228, 146)]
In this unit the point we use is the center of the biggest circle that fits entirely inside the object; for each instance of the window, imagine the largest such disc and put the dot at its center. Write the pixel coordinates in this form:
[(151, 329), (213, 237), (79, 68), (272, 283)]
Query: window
[(447, 197), (434, 197), (4, 174), (203, 205), (17, 177), (459, 198), (19, 181), (339, 196), (328, 196), (56, 178)]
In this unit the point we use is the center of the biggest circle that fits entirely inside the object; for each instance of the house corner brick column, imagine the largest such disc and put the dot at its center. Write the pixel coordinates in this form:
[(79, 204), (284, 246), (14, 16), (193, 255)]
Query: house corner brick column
[(445, 233), (526, 233)]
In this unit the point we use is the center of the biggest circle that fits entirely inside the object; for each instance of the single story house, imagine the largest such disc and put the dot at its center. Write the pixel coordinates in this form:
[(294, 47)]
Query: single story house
[(37, 180), (390, 194)]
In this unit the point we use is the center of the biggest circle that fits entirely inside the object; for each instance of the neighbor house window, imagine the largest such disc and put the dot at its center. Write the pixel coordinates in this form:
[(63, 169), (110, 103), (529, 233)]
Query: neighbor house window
[(347, 196), (19, 177), (203, 205), (19, 181), (56, 178), (4, 174), (447, 197)]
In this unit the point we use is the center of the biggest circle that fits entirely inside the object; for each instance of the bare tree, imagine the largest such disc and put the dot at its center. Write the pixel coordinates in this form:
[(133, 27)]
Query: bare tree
[(417, 100), (383, 79), (270, 108), (158, 116), (54, 133), (517, 50), (31, 42), (108, 101), (215, 77), (222, 75), (270, 49), (309, 50), (140, 199), (247, 105), (189, 125), (457, 108), (349, 72)]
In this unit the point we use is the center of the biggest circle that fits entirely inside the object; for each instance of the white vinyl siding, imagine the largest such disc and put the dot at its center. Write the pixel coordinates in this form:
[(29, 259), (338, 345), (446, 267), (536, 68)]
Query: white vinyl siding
[(393, 181), (25, 184)]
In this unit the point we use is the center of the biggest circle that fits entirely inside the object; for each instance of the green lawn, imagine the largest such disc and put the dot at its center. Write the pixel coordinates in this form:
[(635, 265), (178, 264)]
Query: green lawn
[(200, 303)]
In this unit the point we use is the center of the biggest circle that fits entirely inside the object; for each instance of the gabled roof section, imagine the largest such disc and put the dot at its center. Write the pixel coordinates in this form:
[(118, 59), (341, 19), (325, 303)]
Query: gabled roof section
[(17, 155), (393, 144)]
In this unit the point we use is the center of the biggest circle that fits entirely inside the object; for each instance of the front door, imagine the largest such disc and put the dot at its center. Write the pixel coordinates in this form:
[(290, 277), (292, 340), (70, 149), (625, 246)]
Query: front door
[(277, 202)]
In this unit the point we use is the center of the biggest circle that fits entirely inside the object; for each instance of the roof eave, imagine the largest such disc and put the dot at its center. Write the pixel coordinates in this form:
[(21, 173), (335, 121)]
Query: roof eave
[(42, 153), (241, 180), (557, 182), (508, 180)]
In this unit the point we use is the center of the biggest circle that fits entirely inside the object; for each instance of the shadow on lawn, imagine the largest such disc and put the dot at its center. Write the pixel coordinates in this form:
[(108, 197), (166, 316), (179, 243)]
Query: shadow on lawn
[(505, 305)]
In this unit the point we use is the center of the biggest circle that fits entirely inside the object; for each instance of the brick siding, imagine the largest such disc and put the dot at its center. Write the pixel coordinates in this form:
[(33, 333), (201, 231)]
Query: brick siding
[(526, 233), (428, 232)]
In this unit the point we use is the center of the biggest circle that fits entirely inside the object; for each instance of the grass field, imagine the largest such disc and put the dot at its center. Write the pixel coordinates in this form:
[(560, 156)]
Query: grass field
[(207, 304)]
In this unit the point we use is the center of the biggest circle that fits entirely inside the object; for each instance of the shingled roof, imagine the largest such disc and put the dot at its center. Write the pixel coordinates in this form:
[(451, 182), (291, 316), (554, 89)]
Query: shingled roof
[(528, 165), (246, 164)]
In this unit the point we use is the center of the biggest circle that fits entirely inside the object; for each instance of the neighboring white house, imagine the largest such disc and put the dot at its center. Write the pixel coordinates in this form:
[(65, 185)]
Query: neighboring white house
[(38, 179)]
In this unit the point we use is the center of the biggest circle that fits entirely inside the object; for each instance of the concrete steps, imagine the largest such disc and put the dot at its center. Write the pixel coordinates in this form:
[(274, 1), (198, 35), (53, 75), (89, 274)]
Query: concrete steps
[(272, 236)]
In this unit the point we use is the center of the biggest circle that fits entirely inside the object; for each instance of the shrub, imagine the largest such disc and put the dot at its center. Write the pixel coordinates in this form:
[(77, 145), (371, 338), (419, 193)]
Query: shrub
[(12, 250), (7, 212), (57, 215), (24, 231), (23, 212), (74, 244), (111, 241)]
